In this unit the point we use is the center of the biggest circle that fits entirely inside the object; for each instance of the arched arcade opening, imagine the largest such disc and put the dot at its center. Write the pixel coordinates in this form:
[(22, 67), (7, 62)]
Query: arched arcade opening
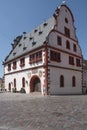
[(35, 84)]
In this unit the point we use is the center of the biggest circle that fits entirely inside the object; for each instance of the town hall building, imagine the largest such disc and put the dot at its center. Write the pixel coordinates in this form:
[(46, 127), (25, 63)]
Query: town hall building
[(48, 59)]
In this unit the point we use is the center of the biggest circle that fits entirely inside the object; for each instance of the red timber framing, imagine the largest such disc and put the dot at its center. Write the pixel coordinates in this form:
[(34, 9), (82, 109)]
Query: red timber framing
[(45, 65), (46, 68)]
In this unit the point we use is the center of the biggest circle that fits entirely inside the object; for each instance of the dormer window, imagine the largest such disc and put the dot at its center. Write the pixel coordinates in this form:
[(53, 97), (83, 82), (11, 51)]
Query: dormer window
[(45, 24), (30, 38), (35, 30), (25, 37), (33, 43), (24, 48), (14, 53), (40, 32), (20, 44), (24, 32)]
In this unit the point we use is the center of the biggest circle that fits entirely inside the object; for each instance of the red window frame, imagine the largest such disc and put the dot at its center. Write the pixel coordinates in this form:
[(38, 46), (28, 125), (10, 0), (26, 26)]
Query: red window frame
[(14, 65), (9, 66), (67, 32), (59, 40), (35, 57), (74, 48), (55, 56), (66, 20), (71, 60), (67, 44), (78, 62), (22, 62)]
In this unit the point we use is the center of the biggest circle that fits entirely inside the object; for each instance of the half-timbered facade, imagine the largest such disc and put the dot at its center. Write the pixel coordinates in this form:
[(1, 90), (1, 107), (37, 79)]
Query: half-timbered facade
[(49, 58)]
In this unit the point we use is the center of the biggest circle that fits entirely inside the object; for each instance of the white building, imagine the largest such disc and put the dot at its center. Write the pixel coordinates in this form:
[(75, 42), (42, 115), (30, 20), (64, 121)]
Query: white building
[(84, 76), (49, 57)]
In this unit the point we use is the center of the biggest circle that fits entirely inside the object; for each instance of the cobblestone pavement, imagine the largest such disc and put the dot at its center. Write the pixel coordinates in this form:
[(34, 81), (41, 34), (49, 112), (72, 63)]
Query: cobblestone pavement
[(35, 112)]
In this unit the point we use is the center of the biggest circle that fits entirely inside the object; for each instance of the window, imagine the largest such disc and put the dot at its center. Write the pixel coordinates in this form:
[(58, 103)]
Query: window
[(32, 58), (23, 82), (14, 65), (22, 62), (14, 53), (33, 43), (73, 81), (78, 64), (67, 44), (74, 48), (14, 83), (20, 44), (36, 57), (67, 32), (66, 10), (25, 37), (66, 20), (61, 81), (24, 48), (9, 67), (30, 38), (71, 60), (35, 30), (45, 24), (55, 56), (40, 32), (59, 40)]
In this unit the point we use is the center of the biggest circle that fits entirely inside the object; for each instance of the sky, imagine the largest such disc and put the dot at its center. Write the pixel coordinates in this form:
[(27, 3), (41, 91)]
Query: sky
[(18, 16)]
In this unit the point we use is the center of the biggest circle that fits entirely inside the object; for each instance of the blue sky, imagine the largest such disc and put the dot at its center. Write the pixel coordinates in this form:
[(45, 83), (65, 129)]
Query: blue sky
[(18, 16)]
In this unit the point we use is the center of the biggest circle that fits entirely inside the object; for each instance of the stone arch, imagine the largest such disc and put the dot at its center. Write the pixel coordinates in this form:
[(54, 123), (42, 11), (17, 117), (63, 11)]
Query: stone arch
[(35, 84)]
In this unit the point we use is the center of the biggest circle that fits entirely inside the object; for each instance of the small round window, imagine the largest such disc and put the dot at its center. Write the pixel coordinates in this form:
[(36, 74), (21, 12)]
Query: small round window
[(66, 20)]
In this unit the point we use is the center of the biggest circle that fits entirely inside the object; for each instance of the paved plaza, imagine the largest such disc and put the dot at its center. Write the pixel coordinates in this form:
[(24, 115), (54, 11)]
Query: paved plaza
[(36, 112)]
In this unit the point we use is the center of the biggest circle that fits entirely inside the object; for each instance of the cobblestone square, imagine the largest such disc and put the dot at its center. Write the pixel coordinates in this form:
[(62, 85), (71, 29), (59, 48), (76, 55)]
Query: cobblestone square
[(36, 112)]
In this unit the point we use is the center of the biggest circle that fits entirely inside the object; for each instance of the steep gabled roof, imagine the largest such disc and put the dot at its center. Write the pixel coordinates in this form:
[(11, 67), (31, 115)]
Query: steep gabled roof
[(32, 40)]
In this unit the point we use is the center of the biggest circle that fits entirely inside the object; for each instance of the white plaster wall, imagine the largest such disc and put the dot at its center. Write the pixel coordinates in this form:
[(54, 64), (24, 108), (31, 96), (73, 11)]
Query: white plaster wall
[(64, 62), (27, 65), (63, 67), (21, 72), (28, 75), (67, 89), (65, 13), (53, 42)]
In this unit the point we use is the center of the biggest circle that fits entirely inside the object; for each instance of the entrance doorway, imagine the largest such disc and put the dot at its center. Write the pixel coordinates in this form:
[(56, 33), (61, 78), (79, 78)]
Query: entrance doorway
[(35, 84)]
